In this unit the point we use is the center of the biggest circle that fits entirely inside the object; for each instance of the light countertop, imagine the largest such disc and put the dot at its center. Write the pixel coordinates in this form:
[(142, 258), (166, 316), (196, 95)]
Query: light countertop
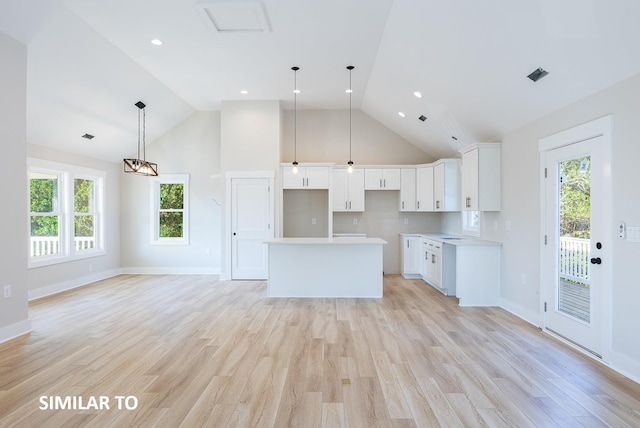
[(325, 241), (454, 239)]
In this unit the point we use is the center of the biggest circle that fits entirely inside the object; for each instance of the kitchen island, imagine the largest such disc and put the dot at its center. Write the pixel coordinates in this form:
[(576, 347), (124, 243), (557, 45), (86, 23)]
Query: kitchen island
[(325, 267)]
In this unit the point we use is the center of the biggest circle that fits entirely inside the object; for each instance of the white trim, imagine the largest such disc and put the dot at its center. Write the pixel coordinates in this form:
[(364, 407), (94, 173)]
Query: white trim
[(170, 271), (521, 312), (63, 286), (626, 366), (155, 183), (15, 330), (601, 127)]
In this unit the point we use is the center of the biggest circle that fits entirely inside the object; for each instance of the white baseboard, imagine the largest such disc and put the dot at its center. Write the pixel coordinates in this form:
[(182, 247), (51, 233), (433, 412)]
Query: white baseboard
[(521, 312), (14, 330), (49, 290), (170, 271), (625, 366)]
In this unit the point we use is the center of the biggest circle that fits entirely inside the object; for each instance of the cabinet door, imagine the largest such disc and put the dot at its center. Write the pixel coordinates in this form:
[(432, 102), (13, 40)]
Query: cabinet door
[(373, 179), (356, 190), (438, 187), (424, 188), (391, 179), (339, 190), (435, 269), (317, 177), (291, 180), (408, 189), (424, 259), (470, 180), (411, 256)]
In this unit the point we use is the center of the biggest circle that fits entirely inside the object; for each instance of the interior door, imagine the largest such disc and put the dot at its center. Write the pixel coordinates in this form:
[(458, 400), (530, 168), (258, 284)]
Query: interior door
[(251, 225), (576, 237)]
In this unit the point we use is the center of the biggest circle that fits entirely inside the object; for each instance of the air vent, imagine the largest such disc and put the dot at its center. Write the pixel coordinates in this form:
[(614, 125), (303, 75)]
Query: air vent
[(537, 74), (88, 136), (422, 117), (232, 16)]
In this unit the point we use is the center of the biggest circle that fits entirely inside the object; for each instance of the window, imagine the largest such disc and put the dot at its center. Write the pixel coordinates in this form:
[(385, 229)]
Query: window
[(170, 209), (471, 223), (65, 218)]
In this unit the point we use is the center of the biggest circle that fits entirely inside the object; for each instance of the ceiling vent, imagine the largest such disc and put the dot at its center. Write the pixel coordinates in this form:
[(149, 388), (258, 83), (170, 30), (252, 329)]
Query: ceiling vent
[(88, 136), (233, 16), (538, 74), (422, 117)]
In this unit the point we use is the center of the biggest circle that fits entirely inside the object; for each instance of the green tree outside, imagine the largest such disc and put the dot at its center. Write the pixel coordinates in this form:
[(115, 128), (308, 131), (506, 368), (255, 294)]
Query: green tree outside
[(171, 210)]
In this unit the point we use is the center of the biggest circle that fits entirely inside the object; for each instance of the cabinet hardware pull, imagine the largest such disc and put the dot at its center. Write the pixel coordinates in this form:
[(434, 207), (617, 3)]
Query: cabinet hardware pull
[(384, 183), (346, 206), (437, 204), (349, 204), (418, 204), (402, 204)]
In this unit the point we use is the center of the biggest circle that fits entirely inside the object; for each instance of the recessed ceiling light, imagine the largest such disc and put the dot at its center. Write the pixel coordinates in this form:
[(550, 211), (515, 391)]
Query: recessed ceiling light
[(401, 114), (417, 94), (244, 92), (348, 91), (296, 91), (156, 42), (88, 136)]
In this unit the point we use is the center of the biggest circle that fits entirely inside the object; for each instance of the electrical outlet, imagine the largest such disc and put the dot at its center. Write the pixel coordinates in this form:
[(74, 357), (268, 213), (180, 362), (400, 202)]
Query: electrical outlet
[(7, 291), (406, 220), (507, 225), (523, 278), (207, 251), (355, 221), (313, 221)]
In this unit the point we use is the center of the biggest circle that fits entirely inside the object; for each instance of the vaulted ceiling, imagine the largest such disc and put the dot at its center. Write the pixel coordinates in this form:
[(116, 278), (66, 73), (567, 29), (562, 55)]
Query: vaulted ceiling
[(89, 61)]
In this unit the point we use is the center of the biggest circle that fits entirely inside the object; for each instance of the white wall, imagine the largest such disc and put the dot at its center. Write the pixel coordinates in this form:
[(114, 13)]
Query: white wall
[(251, 140), (520, 206), (323, 136), (192, 147), (14, 224), (50, 279)]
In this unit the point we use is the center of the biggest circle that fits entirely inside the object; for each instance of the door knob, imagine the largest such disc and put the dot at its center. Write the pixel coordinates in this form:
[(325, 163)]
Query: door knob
[(596, 260)]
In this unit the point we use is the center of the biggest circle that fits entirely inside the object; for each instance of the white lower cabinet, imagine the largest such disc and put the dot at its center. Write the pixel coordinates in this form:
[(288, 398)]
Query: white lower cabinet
[(438, 266), (411, 261)]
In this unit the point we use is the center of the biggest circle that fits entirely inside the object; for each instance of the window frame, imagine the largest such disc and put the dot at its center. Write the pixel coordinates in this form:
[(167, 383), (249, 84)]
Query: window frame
[(67, 174), (155, 183)]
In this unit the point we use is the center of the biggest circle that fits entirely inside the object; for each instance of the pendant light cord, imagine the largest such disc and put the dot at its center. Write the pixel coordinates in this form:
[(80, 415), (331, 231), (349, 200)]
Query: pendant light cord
[(295, 114), (350, 92)]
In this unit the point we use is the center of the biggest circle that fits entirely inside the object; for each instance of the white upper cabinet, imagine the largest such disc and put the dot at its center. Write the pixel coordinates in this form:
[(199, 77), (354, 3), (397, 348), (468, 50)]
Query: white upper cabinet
[(347, 190), (408, 189), (307, 177), (424, 188), (481, 177), (382, 179), (446, 185)]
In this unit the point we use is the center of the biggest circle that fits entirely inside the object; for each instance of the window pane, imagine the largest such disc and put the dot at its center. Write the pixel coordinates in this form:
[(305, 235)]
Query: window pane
[(83, 195), (44, 193), (44, 236), (171, 196), (171, 225), (84, 232)]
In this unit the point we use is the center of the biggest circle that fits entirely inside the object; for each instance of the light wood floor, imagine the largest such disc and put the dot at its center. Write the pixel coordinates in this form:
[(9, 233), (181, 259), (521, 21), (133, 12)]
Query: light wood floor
[(198, 352)]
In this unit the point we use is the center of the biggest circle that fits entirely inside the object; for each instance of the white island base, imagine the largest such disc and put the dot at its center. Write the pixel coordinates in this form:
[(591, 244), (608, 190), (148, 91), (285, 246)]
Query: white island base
[(325, 267)]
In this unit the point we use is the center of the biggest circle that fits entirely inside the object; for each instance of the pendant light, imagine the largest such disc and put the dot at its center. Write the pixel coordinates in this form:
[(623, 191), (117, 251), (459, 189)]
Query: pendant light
[(294, 169), (350, 91), (140, 166)]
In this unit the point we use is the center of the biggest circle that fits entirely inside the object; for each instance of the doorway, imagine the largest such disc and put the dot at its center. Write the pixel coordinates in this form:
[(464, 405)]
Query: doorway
[(252, 219), (576, 255)]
